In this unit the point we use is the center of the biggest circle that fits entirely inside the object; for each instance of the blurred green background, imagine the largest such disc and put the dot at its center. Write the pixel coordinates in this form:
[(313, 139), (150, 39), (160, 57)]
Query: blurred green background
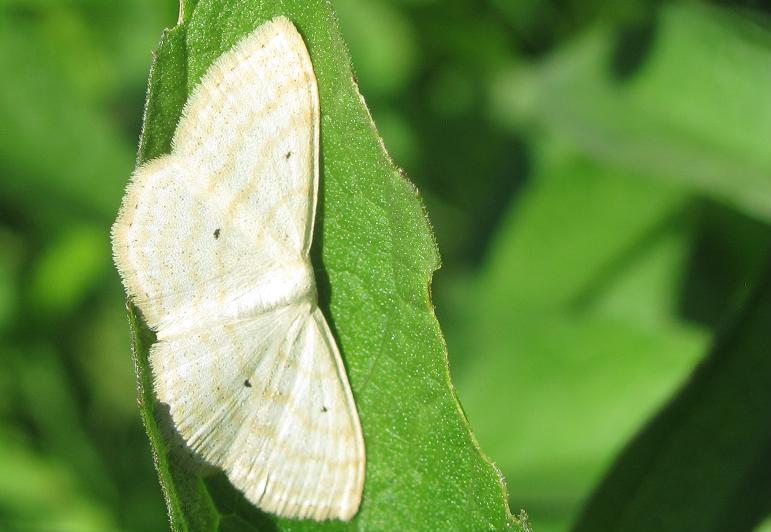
[(598, 175)]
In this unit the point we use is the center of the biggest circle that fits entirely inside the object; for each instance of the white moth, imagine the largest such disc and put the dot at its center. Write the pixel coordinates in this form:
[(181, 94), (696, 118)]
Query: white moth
[(212, 243)]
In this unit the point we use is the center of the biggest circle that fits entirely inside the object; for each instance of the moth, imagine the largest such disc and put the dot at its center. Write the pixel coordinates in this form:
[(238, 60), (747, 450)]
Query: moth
[(212, 244)]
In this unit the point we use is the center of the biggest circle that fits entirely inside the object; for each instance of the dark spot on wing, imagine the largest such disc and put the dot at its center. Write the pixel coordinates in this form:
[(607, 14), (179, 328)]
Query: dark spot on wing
[(247, 383), (323, 408), (288, 155), (216, 233)]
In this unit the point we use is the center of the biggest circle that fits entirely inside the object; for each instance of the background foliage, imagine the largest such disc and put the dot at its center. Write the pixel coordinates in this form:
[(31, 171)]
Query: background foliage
[(599, 180)]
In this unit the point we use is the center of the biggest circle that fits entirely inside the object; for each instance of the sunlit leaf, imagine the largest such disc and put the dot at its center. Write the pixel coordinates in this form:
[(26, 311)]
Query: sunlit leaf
[(374, 255)]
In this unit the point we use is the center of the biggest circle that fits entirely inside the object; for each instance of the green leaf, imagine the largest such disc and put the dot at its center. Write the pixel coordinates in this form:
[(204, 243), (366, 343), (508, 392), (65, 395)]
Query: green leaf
[(702, 463), (569, 333), (374, 255), (691, 108), (546, 255)]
